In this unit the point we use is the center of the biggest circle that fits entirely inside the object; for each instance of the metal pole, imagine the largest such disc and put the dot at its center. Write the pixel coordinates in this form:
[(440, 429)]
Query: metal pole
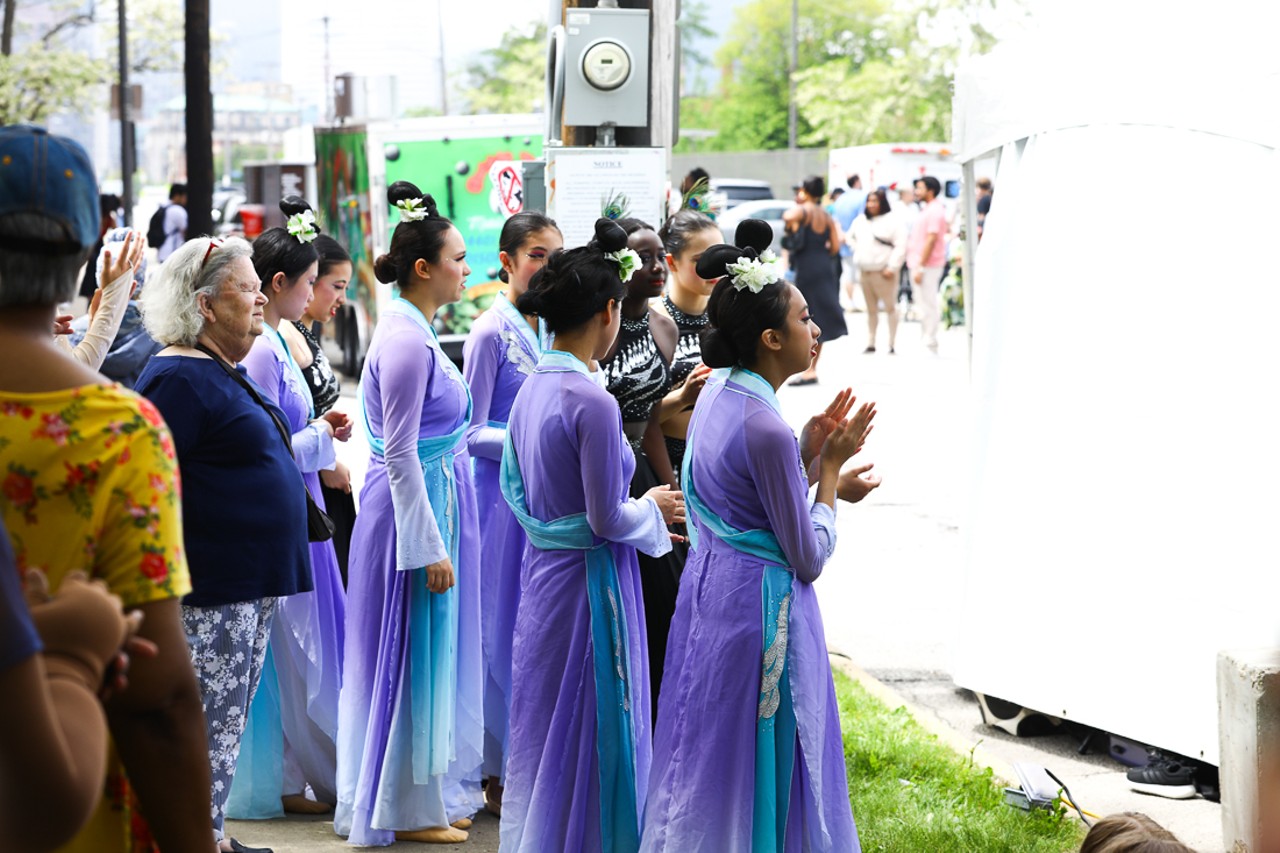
[(126, 122), (199, 119), (444, 85), (328, 79), (791, 77)]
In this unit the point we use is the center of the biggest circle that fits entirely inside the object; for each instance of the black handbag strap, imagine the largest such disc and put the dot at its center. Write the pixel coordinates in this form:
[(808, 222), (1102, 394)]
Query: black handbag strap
[(257, 398)]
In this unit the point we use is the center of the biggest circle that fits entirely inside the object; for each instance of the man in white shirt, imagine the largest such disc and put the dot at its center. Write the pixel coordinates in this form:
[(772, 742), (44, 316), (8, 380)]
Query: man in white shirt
[(175, 222)]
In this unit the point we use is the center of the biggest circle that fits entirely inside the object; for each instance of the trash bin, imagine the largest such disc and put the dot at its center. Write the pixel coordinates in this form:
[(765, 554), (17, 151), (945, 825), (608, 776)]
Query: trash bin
[(252, 217)]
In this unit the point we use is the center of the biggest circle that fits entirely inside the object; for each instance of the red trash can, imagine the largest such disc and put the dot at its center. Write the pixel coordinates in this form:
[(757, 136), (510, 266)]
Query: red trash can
[(252, 217)]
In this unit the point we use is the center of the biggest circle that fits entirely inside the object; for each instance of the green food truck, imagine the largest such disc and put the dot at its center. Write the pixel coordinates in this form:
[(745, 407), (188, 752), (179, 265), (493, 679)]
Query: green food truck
[(469, 164)]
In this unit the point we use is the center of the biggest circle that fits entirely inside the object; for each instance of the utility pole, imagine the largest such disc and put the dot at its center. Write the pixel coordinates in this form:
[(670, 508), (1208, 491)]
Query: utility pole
[(126, 119), (444, 83), (199, 120), (328, 79), (791, 76)]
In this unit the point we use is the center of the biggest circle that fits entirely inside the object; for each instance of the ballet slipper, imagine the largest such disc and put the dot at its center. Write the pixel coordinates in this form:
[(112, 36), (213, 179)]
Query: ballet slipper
[(433, 835), (299, 804), (461, 823)]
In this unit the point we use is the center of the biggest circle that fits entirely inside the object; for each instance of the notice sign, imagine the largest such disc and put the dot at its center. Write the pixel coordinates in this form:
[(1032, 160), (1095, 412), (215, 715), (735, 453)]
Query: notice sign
[(581, 182)]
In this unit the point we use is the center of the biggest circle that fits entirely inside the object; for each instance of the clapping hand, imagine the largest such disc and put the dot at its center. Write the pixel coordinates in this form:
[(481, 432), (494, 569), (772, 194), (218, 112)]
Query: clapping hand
[(849, 436), (815, 432), (853, 486), (62, 324)]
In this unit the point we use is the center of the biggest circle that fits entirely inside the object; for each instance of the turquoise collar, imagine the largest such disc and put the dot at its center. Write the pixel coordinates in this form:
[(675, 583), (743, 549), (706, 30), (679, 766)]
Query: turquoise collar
[(756, 386), (403, 306), (559, 361)]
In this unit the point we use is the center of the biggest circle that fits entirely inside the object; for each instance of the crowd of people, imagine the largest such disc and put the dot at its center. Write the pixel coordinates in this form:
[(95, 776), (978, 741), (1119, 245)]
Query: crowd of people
[(578, 590)]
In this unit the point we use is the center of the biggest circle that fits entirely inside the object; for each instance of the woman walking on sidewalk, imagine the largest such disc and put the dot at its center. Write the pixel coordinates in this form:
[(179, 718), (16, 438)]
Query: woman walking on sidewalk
[(879, 240), (747, 750), (812, 242), (579, 748)]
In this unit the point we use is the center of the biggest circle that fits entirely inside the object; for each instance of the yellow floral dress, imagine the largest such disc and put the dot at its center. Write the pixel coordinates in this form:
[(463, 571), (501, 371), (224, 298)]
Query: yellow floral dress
[(89, 480)]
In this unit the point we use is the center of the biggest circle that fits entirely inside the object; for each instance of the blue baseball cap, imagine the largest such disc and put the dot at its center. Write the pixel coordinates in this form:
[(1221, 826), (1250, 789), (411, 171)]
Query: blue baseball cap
[(49, 176)]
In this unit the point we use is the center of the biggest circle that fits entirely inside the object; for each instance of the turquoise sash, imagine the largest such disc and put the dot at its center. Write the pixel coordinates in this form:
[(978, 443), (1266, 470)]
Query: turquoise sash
[(775, 717), (433, 617), (615, 735)]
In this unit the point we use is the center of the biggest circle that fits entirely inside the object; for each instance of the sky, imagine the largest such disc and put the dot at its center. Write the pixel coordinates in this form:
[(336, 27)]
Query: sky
[(403, 39)]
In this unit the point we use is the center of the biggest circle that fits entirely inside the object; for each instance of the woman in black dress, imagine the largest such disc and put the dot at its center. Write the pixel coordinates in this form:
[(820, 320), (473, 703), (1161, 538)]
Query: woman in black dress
[(813, 245)]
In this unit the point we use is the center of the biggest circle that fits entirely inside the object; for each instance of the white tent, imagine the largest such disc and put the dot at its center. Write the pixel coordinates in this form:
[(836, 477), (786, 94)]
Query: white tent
[(1125, 426)]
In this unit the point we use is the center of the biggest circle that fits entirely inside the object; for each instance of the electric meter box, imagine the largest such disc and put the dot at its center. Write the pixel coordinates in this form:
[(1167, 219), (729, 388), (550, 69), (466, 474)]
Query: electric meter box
[(606, 79)]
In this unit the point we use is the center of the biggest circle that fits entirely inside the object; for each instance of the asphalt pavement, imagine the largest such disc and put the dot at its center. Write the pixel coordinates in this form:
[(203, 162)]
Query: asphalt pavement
[(890, 593)]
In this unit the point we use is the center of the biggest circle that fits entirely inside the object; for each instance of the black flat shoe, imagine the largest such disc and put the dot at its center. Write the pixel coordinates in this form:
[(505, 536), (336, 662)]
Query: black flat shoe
[(868, 349), (796, 383), (237, 847)]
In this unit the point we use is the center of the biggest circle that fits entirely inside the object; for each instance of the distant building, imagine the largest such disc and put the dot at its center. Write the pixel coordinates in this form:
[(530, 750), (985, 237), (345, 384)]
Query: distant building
[(249, 123)]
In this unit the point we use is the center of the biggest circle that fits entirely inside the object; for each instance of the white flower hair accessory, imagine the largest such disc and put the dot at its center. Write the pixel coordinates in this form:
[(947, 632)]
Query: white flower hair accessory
[(412, 209), (755, 273), (628, 262), (303, 226)]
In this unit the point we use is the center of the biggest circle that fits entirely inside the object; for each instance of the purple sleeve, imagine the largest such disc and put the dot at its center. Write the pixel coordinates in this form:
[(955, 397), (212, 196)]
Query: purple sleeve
[(18, 638), (312, 445), (806, 534), (480, 360), (405, 363), (638, 523)]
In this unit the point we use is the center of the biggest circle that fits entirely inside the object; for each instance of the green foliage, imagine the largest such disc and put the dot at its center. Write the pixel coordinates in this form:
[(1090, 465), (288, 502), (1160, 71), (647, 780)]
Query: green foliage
[(36, 83), (911, 793), (509, 78), (867, 71)]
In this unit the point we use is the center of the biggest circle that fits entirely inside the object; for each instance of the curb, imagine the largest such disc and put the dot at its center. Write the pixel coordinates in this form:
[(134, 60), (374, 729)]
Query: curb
[(929, 721)]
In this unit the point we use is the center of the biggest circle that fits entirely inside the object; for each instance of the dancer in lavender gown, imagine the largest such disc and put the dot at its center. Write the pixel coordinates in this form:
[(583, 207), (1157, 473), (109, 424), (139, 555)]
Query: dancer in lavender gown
[(747, 749), (410, 725), (501, 351), (289, 740), (579, 746)]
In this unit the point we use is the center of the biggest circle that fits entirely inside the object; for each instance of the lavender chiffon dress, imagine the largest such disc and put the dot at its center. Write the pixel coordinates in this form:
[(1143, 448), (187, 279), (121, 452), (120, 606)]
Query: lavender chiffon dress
[(501, 352), (410, 728), (289, 739), (578, 757), (747, 748)]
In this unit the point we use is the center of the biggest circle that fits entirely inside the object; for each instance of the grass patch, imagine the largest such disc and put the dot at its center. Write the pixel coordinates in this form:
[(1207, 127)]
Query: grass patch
[(911, 793)]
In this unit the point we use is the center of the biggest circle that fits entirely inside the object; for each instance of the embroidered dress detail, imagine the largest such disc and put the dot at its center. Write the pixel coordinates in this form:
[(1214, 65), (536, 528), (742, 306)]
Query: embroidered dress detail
[(775, 657), (637, 374), (688, 354), (516, 353), (321, 381)]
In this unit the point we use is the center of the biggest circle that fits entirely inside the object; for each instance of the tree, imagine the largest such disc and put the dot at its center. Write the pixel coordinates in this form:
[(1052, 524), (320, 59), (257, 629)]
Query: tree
[(510, 78), (52, 73), (36, 83), (750, 111), (906, 95)]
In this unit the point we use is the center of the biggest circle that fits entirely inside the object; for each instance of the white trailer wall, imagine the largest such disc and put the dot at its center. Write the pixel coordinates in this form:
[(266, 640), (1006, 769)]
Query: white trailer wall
[(1125, 426)]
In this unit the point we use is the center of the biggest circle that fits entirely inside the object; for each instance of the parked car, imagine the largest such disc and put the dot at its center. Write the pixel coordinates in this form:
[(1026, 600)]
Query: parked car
[(769, 209), (734, 191)]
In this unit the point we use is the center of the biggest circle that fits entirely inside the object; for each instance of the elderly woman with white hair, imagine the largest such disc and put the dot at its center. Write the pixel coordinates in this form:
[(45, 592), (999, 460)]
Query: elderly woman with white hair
[(244, 508)]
